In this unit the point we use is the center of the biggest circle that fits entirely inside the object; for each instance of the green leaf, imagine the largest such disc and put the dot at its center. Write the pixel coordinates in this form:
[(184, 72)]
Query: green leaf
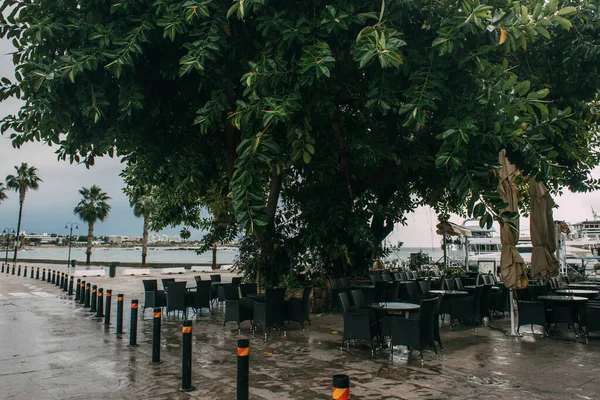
[(565, 23), (522, 87), (540, 94), (567, 11)]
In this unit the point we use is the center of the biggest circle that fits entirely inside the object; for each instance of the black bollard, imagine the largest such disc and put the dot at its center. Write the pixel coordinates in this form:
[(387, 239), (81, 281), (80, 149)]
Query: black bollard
[(133, 323), (82, 293), (341, 387), (119, 314), (13, 269), (107, 308), (25, 272), (186, 357), (88, 293), (243, 366), (37, 273), (19, 270), (49, 280), (100, 304), (156, 337), (62, 280), (66, 283), (53, 281), (58, 277), (32, 272), (77, 291), (70, 286), (43, 274), (94, 298)]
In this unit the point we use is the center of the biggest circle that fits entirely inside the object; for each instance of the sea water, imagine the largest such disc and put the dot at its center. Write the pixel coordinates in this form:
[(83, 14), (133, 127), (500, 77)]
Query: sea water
[(225, 255)]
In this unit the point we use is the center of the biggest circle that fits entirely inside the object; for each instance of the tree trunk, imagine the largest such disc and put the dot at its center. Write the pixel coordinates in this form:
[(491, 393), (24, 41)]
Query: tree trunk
[(145, 238), (88, 253), (264, 238), (18, 229)]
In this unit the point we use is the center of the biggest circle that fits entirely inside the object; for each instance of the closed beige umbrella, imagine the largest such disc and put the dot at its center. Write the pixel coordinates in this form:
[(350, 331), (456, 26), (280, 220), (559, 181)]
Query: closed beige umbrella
[(544, 264), (514, 271)]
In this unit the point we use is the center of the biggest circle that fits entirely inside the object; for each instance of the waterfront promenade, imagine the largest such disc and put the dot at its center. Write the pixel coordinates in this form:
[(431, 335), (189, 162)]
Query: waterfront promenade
[(54, 349)]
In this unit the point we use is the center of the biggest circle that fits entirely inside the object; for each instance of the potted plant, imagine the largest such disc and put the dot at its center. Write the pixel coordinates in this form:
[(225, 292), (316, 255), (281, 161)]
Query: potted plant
[(319, 296)]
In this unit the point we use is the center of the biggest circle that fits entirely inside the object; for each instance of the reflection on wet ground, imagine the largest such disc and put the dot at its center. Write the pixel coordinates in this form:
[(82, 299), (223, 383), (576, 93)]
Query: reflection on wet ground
[(52, 348)]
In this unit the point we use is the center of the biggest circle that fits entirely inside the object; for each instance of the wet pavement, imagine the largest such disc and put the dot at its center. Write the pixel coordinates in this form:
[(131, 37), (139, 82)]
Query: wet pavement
[(52, 348)]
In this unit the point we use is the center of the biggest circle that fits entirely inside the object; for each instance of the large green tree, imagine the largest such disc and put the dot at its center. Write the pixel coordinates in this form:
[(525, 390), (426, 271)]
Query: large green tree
[(92, 207), (313, 126), (25, 179)]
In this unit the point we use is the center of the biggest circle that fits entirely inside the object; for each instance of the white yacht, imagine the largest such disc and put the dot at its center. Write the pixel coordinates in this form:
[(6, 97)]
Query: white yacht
[(585, 234), (483, 240)]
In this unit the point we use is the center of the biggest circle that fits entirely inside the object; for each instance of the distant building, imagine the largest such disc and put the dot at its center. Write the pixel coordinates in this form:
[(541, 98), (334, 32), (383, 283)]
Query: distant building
[(43, 238), (121, 239)]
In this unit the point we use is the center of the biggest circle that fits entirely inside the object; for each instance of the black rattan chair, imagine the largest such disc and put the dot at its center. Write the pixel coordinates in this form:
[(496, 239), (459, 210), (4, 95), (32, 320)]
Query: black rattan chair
[(176, 298), (359, 324), (166, 282), (417, 333), (153, 298), (297, 309), (270, 313), (201, 297), (236, 310), (531, 313), (467, 308), (248, 288)]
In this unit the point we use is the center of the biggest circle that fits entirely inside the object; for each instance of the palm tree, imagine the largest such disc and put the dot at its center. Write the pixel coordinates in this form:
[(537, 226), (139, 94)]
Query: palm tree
[(25, 179), (92, 207), (143, 207), (3, 195)]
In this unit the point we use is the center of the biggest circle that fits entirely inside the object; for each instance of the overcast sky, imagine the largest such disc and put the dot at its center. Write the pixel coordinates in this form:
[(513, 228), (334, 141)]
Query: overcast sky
[(49, 208)]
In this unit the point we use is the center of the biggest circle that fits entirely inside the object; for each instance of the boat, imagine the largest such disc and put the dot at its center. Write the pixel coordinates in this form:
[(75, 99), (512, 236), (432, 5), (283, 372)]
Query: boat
[(586, 234), (482, 240)]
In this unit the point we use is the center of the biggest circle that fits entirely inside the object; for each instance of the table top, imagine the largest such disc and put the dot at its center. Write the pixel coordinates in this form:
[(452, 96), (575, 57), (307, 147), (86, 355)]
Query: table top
[(562, 298), (578, 291), (396, 306), (472, 287), (449, 292), (583, 285)]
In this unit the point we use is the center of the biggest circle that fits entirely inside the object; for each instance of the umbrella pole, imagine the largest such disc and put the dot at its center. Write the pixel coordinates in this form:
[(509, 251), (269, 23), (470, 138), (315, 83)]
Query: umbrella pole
[(513, 331)]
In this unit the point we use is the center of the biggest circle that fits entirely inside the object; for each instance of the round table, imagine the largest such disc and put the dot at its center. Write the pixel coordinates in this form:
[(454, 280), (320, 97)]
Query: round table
[(472, 288), (396, 307), (449, 292), (578, 292), (363, 287), (562, 299), (589, 286)]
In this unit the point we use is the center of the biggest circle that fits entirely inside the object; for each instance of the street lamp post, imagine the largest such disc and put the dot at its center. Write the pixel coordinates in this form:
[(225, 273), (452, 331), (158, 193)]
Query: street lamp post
[(70, 226), (7, 232)]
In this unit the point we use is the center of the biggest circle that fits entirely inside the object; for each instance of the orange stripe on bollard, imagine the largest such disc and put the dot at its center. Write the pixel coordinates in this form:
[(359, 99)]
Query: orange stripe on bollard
[(108, 294), (134, 305), (186, 329), (93, 290), (119, 298), (243, 351), (157, 314), (341, 394)]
